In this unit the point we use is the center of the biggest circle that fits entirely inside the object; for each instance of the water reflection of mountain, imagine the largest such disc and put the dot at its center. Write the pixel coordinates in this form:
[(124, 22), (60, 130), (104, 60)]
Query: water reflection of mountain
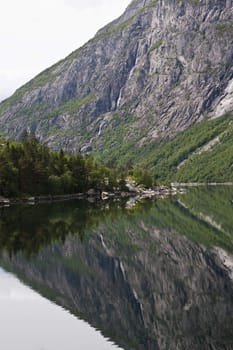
[(147, 278)]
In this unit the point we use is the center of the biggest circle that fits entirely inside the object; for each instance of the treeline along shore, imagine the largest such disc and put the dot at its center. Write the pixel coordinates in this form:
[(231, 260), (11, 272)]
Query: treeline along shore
[(28, 168), (31, 172)]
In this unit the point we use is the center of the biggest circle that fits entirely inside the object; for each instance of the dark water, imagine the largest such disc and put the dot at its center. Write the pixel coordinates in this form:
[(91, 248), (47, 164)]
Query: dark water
[(158, 275)]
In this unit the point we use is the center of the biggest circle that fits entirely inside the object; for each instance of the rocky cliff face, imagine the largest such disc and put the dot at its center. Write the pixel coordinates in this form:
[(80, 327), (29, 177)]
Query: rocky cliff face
[(159, 68)]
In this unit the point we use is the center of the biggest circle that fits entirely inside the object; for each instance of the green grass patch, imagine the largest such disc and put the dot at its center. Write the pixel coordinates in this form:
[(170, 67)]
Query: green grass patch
[(71, 106), (146, 7), (156, 45), (110, 30), (225, 27)]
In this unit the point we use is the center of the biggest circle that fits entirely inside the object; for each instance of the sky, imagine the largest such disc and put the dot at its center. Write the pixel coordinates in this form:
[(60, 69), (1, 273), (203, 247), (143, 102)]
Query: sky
[(36, 34)]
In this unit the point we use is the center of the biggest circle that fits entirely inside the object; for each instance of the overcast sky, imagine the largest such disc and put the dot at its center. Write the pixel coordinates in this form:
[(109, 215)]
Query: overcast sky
[(35, 34)]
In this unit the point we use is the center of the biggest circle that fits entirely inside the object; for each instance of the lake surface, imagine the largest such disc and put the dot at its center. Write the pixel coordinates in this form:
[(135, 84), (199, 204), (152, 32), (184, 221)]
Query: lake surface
[(108, 275)]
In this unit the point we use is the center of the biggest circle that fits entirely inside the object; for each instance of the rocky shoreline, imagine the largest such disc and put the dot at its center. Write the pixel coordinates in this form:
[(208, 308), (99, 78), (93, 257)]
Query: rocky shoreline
[(92, 195)]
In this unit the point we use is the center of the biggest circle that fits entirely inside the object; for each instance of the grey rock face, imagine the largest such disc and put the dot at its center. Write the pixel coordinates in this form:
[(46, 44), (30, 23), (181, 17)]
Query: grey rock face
[(165, 64)]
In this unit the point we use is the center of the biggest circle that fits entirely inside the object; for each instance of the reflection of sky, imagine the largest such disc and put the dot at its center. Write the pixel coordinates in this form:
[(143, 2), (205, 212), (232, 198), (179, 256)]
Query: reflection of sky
[(30, 322)]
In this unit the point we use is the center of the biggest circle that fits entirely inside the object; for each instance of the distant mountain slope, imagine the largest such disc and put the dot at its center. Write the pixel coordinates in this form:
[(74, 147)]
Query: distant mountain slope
[(158, 69)]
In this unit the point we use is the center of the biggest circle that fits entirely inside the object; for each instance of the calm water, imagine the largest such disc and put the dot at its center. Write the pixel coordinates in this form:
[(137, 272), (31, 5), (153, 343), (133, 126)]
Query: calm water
[(157, 275)]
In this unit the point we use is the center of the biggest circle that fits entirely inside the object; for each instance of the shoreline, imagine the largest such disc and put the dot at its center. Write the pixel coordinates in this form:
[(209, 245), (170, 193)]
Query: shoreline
[(198, 184), (93, 195)]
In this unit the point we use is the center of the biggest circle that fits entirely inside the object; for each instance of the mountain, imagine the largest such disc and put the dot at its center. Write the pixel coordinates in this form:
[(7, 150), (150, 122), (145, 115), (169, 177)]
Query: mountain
[(160, 68)]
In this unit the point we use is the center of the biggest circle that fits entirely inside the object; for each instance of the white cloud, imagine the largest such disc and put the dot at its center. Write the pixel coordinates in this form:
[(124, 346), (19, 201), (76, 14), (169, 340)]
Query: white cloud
[(36, 34)]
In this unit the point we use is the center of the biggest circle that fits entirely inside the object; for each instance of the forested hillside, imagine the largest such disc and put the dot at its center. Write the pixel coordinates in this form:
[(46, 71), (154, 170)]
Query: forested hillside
[(203, 152)]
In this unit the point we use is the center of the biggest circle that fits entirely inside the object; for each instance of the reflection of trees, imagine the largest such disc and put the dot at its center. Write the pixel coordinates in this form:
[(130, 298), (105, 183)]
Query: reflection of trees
[(28, 228)]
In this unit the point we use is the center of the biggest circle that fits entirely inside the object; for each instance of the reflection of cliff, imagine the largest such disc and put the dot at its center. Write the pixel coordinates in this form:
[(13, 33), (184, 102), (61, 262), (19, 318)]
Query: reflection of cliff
[(140, 283)]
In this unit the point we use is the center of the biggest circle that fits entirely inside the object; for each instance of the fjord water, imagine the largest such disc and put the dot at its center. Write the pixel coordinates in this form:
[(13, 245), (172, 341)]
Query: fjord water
[(157, 275)]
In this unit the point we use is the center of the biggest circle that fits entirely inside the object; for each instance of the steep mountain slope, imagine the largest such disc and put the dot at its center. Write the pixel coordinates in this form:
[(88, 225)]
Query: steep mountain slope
[(158, 69)]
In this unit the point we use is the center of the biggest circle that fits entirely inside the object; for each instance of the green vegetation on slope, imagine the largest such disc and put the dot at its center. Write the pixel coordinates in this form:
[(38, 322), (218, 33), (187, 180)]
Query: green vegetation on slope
[(156, 45), (186, 157), (215, 165), (183, 159), (71, 105), (110, 30), (225, 28), (117, 149)]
